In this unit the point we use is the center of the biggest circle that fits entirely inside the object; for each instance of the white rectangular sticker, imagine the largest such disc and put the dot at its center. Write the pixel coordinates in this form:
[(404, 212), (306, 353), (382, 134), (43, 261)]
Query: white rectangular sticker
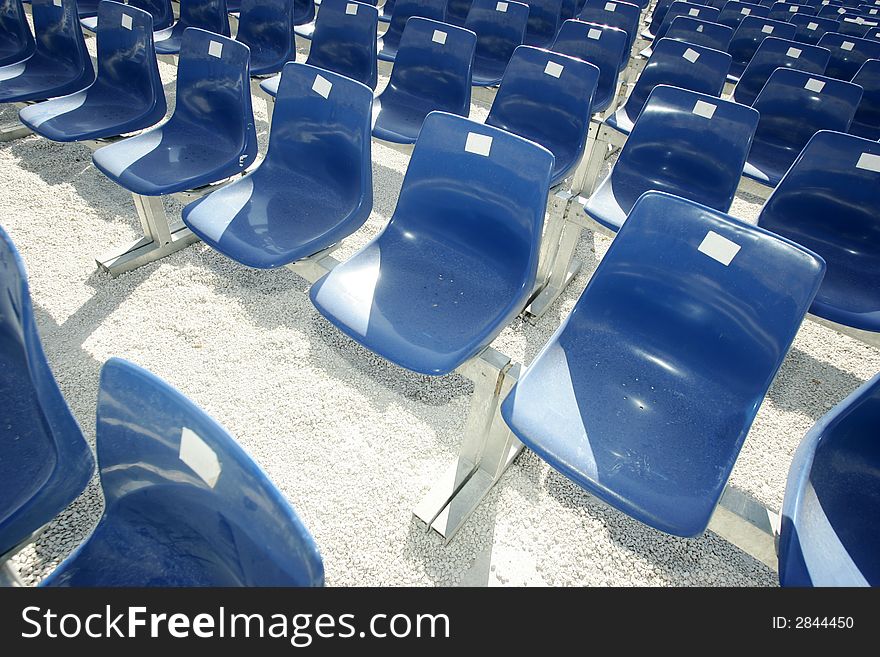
[(873, 12), (767, 29), (322, 86), (719, 248), (847, 45), (693, 12), (793, 10), (199, 456), (869, 162), (812, 26), (704, 109), (57, 3), (594, 34), (610, 6), (501, 6), (215, 49), (699, 28), (126, 21), (691, 55), (794, 53), (479, 144), (351, 9), (814, 85), (746, 12), (439, 37), (553, 69)]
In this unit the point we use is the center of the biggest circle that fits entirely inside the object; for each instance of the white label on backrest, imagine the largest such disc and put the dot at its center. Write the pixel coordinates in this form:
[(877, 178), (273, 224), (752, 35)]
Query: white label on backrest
[(322, 86), (873, 12), (869, 162), (719, 248), (704, 109), (812, 26), (693, 12), (501, 6), (841, 11), (847, 45), (814, 85), (126, 21), (215, 49), (351, 9), (199, 456), (794, 53), (57, 3), (610, 6), (594, 34), (746, 12), (767, 29), (793, 10), (553, 69), (691, 55), (699, 28), (439, 37), (479, 144)]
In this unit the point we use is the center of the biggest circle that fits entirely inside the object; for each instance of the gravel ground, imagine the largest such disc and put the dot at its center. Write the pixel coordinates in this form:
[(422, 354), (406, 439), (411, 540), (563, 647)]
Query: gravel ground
[(353, 441)]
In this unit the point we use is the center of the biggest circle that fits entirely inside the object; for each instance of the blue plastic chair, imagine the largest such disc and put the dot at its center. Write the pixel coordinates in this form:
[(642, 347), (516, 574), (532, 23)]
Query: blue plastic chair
[(683, 8), (389, 42), (184, 504), (622, 15), (676, 64), (794, 106), (603, 46), (684, 143), (59, 64), (208, 15), (500, 27), (783, 11), (209, 137), (733, 13), (829, 533), (866, 122), (46, 462), (700, 33), (127, 94), (748, 36), (432, 73), (314, 187), (457, 11), (266, 28), (16, 41), (544, 22), (857, 27), (160, 10), (810, 29), (836, 12), (458, 260), (546, 98), (386, 10), (848, 54), (828, 202), (87, 8), (776, 53), (657, 16), (303, 11), (645, 394)]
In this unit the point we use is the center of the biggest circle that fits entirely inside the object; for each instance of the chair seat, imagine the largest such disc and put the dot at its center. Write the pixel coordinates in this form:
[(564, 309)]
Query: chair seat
[(90, 23), (39, 78), (768, 162), (620, 121), (386, 51), (168, 41), (609, 206), (270, 85), (487, 71), (400, 118), (306, 30)]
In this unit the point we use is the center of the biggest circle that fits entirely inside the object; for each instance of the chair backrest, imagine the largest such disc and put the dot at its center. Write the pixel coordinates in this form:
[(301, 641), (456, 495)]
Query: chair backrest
[(457, 11), (46, 462), (857, 27), (59, 37), (600, 45), (266, 28), (434, 64), (751, 32), (700, 32), (184, 503), (866, 122), (500, 27), (783, 11), (160, 10), (546, 98), (776, 53), (869, 10), (688, 144), (209, 15), (344, 40), (835, 11), (873, 34), (303, 11), (810, 29), (682, 65), (829, 531), (828, 202), (683, 8), (658, 14), (213, 88), (544, 21), (404, 9), (733, 13), (622, 15), (16, 40), (848, 54)]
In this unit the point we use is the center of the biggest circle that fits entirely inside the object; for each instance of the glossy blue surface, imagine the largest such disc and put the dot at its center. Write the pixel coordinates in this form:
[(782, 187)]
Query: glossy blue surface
[(303, 11), (776, 53), (667, 65), (657, 16), (314, 187), (683, 8), (209, 15), (645, 394), (184, 504), (390, 41), (544, 21), (828, 203), (701, 33), (386, 10), (791, 113), (783, 11), (160, 10), (848, 54), (835, 11), (59, 64), (830, 534), (749, 35), (87, 8), (873, 34), (127, 94), (857, 27), (427, 76), (733, 13), (622, 15), (600, 45), (866, 122), (810, 29), (457, 11), (210, 135), (46, 462), (498, 35), (457, 262), (266, 28), (674, 149), (550, 110), (16, 41)]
